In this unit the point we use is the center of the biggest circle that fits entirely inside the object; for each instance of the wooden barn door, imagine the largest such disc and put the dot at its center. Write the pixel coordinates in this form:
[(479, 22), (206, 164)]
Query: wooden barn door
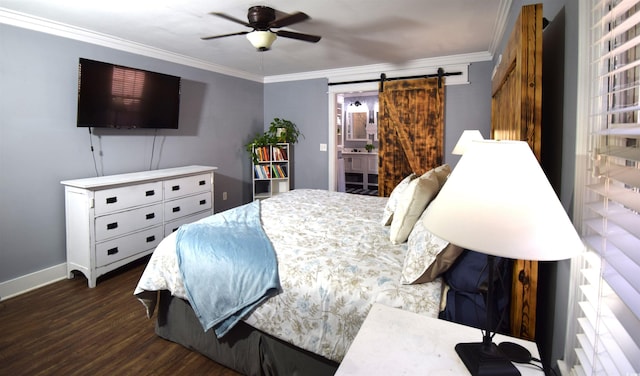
[(516, 114), (410, 130)]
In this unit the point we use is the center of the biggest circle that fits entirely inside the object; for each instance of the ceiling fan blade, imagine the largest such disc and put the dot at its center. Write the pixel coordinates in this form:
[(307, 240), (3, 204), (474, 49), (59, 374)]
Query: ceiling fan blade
[(289, 20), (225, 35), (299, 36), (229, 18)]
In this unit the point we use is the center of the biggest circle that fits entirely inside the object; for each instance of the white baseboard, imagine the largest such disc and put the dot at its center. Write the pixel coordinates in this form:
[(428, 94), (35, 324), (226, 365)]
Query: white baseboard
[(28, 282)]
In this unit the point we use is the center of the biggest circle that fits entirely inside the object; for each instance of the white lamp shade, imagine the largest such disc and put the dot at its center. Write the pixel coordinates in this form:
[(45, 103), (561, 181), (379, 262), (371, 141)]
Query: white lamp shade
[(498, 201), (261, 40), (465, 139)]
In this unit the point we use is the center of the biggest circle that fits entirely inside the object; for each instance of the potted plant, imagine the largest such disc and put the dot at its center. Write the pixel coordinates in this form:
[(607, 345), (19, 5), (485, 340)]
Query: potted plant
[(280, 131), (369, 147), (284, 130)]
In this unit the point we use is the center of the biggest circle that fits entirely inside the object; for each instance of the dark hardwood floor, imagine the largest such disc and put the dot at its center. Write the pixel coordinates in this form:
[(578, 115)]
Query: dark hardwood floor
[(67, 328)]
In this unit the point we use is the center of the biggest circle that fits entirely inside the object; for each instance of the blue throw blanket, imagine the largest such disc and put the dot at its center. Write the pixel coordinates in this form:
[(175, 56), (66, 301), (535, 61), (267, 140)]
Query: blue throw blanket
[(228, 266)]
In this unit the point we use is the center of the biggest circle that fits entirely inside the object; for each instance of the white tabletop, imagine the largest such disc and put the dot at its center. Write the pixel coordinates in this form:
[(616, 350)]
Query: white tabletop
[(110, 181), (396, 342)]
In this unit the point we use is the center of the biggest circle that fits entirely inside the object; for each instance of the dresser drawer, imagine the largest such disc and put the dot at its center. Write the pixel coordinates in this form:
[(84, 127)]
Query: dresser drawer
[(120, 248), (173, 225), (116, 224), (186, 206), (186, 186), (110, 200)]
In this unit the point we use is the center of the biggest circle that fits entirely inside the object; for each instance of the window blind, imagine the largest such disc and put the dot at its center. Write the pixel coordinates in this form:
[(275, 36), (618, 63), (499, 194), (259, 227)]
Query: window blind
[(127, 86), (607, 330)]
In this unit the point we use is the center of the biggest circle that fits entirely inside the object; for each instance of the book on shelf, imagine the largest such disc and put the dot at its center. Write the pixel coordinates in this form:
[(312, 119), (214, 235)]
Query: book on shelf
[(279, 153), (261, 172), (262, 153), (280, 171)]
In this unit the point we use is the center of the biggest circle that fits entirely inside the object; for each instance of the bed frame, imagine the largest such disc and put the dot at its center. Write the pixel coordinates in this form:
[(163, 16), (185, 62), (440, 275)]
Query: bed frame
[(243, 349)]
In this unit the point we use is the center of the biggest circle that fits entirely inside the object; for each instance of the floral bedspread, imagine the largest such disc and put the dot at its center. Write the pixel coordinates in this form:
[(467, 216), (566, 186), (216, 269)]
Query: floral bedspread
[(334, 259)]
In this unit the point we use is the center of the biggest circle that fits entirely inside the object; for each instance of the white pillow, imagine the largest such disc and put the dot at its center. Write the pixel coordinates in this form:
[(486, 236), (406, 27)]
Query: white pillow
[(427, 256), (442, 173), (411, 204), (392, 202)]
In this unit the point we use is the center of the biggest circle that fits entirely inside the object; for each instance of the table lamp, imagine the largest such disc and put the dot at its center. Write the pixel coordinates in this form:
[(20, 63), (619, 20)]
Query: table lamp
[(498, 201), (465, 140)]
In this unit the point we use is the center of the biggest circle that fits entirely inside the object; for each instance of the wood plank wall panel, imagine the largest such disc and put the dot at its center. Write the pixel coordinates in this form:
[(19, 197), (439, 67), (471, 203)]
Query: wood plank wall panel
[(516, 114)]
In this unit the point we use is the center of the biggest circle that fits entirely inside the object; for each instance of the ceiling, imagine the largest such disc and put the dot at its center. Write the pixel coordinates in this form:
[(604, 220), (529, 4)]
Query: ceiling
[(354, 32)]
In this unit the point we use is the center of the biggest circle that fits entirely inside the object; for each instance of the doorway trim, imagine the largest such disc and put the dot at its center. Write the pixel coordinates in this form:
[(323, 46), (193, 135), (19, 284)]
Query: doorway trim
[(333, 149)]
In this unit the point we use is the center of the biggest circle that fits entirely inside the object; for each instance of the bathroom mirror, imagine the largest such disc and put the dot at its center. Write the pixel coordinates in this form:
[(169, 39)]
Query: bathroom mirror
[(357, 126)]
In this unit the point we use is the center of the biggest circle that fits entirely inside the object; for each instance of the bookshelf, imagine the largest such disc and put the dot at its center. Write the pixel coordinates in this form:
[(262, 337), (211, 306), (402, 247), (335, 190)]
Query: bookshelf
[(271, 173)]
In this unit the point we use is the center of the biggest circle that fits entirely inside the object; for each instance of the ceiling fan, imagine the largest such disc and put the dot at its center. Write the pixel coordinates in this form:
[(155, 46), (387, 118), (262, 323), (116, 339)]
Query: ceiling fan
[(262, 19)]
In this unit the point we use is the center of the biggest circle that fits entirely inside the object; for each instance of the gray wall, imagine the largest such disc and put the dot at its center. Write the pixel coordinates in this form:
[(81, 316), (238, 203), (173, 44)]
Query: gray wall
[(40, 144), (306, 104), (467, 107)]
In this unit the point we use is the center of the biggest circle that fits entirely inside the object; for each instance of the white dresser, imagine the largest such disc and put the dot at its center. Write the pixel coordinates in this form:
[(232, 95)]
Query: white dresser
[(113, 220)]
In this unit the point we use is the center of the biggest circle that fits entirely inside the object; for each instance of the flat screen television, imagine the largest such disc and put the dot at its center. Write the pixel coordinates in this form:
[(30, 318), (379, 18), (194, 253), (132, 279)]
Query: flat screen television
[(114, 96)]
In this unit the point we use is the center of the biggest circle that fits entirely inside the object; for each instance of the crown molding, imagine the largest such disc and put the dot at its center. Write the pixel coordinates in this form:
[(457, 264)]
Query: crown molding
[(415, 67), (365, 72), (499, 27), (30, 22)]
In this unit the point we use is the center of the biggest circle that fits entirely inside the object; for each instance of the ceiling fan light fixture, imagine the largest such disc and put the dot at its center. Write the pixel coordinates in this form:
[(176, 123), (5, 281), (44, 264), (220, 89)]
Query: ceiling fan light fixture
[(261, 40)]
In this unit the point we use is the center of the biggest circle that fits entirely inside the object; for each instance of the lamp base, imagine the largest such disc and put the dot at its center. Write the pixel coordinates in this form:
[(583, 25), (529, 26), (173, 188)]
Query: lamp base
[(483, 360)]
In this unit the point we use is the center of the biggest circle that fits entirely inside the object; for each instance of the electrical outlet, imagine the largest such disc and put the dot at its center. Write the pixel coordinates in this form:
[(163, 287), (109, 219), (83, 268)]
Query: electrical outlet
[(323, 147), (224, 196)]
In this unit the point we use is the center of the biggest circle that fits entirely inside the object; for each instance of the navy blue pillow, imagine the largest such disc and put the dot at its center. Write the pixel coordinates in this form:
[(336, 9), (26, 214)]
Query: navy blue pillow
[(468, 281)]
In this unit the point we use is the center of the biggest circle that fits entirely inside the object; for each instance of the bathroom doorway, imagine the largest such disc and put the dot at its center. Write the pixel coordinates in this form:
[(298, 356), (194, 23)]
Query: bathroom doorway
[(355, 155)]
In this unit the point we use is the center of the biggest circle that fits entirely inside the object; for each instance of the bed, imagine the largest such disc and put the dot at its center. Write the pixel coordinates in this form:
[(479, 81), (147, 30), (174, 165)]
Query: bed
[(337, 255)]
